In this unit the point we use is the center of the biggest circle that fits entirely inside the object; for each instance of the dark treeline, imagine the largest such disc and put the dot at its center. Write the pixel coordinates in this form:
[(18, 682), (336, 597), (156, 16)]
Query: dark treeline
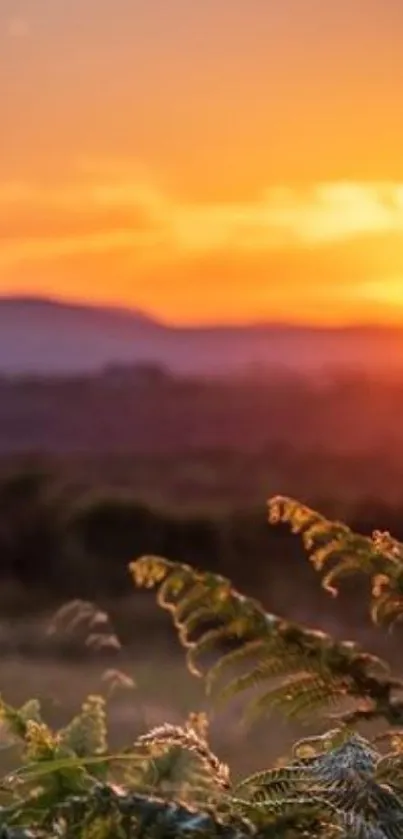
[(59, 542), (137, 410)]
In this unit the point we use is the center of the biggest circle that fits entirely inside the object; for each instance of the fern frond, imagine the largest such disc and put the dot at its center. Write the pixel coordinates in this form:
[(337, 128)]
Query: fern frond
[(390, 770), (298, 696), (334, 786), (249, 651), (209, 642), (168, 737), (83, 621), (341, 775), (267, 668), (291, 815), (316, 671), (338, 552), (272, 782)]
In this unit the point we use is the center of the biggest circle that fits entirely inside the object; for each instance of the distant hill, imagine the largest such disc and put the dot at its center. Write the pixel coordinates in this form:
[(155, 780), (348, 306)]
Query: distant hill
[(47, 336)]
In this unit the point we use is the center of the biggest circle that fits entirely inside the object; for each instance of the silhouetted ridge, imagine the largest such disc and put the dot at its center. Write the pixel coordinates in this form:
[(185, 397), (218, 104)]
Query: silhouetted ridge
[(43, 335)]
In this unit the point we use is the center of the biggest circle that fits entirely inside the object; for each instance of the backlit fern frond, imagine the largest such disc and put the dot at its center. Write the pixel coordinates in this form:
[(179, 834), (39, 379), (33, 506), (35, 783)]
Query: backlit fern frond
[(57, 792), (338, 552), (333, 793), (179, 761), (81, 621), (298, 670), (340, 774), (170, 784), (390, 767)]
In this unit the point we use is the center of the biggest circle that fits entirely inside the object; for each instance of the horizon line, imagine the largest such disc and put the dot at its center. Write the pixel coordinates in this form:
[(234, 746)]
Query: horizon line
[(120, 308)]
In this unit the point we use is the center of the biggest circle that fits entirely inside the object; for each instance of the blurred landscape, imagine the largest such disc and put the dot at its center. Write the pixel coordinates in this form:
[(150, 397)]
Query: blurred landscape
[(99, 466), (201, 306)]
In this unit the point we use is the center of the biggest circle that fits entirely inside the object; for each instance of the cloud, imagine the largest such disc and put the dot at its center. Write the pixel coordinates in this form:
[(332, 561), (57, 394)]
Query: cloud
[(316, 250), (325, 213), (34, 249), (322, 284), (326, 283), (281, 217)]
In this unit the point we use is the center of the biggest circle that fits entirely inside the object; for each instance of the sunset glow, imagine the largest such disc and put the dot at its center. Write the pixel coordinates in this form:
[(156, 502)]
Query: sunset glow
[(227, 161)]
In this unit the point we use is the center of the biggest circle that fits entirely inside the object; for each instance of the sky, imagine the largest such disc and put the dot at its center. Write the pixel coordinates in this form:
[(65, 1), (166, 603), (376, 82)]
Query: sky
[(205, 160)]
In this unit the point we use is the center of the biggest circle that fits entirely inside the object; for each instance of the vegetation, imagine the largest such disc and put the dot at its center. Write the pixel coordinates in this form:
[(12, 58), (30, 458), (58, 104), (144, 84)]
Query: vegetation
[(66, 784), (61, 539), (187, 443)]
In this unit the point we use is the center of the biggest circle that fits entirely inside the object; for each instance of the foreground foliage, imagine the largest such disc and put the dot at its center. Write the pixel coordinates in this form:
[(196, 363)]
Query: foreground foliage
[(67, 784)]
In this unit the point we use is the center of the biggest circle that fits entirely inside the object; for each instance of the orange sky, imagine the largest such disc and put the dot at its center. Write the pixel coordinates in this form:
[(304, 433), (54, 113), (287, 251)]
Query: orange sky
[(205, 160)]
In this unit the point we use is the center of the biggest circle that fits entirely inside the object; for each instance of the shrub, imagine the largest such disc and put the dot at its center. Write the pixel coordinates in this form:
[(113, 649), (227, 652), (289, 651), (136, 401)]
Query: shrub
[(338, 784)]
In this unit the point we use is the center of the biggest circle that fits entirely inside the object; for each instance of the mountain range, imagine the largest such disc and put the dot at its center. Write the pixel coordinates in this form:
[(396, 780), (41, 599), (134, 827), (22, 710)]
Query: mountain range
[(46, 336)]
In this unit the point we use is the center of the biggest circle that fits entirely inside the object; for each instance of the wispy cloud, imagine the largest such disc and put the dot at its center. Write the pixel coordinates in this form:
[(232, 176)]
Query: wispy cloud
[(280, 218), (44, 249), (321, 252)]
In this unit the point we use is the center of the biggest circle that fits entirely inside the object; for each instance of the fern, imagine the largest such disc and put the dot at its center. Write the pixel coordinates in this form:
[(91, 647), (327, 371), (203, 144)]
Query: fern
[(169, 741), (338, 552), (170, 783), (334, 785), (337, 784), (297, 669), (83, 622), (68, 786)]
